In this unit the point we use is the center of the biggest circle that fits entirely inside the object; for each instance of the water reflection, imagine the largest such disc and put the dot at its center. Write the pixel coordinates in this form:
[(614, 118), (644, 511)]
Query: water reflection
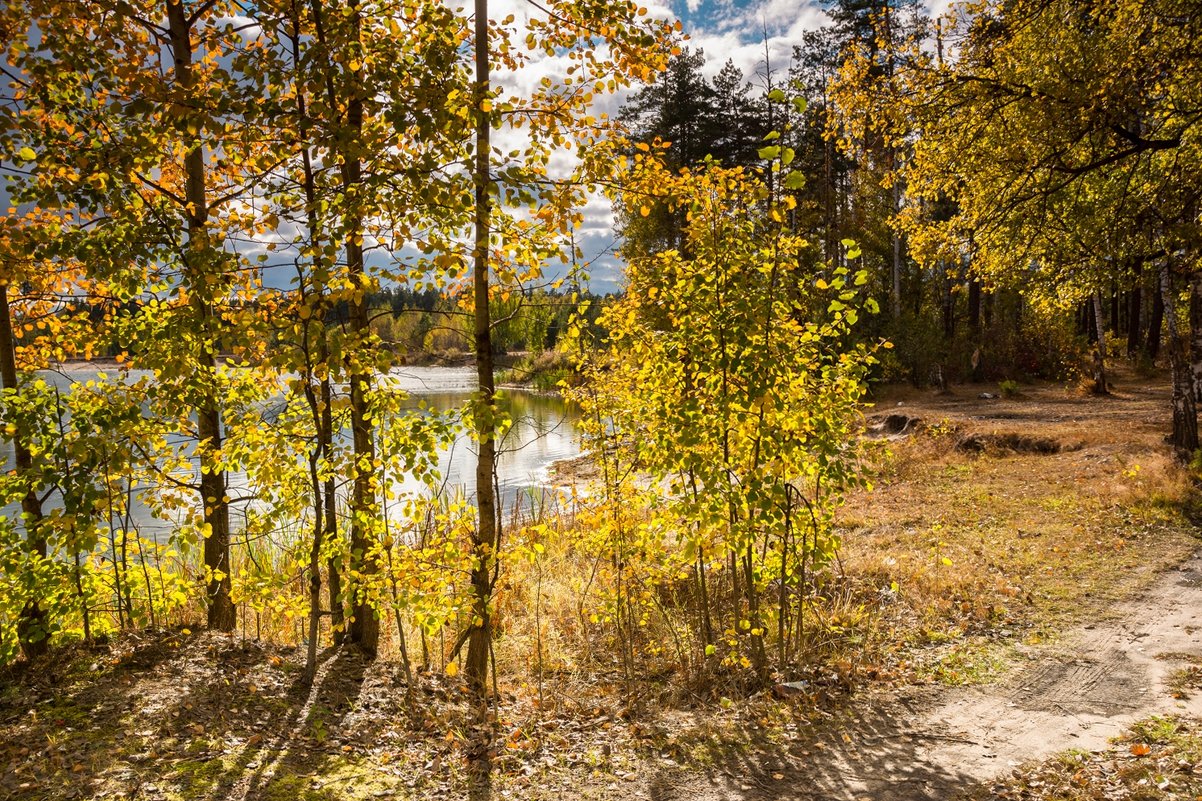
[(543, 432)]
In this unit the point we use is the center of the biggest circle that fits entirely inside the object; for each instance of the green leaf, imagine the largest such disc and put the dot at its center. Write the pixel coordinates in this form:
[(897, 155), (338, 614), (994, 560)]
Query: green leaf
[(772, 135), (769, 152), (776, 96), (795, 180), (799, 105), (27, 154)]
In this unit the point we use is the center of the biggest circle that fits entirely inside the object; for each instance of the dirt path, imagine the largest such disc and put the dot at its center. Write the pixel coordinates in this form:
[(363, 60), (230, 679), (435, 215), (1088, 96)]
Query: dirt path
[(927, 744)]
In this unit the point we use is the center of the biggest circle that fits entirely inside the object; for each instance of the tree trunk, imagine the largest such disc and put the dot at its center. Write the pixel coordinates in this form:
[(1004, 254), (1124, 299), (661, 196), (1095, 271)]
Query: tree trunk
[(1099, 354), (974, 310), (1155, 322), (1115, 312), (895, 293), (314, 550), (364, 629), (485, 542), (974, 327), (319, 405), (1135, 304), (949, 305), (1185, 417), (1195, 331), (337, 615), (31, 623), (485, 539), (198, 258)]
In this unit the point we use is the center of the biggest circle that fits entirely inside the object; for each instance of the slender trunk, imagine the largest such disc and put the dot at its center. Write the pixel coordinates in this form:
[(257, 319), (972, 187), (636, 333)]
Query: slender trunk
[(338, 630), (759, 656), (314, 551), (31, 624), (949, 306), (830, 211), (1195, 331), (707, 626), (485, 537), (782, 607), (364, 629), (319, 405), (1185, 417), (1115, 313), (895, 294), (199, 258), (974, 310), (147, 584), (974, 326), (1135, 304), (333, 568), (1155, 322), (1099, 354)]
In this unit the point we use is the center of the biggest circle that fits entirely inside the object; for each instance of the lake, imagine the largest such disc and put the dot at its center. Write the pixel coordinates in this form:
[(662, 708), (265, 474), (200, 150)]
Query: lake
[(543, 432)]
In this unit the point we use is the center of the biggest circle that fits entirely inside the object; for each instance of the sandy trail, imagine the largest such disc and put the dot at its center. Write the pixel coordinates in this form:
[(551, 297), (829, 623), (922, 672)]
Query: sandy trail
[(925, 744)]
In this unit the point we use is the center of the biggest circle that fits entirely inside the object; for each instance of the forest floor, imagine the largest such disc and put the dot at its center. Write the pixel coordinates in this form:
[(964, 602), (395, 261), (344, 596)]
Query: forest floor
[(1037, 592)]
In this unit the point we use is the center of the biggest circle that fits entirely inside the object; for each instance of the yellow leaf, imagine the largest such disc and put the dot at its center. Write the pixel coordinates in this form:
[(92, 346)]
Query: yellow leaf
[(452, 670)]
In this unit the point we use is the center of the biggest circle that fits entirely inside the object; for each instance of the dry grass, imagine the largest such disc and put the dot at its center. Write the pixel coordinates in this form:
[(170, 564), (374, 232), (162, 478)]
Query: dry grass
[(951, 560), (986, 546)]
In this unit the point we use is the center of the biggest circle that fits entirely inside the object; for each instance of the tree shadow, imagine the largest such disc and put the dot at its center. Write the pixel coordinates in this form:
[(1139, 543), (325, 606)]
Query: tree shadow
[(206, 716), (869, 753), (288, 738)]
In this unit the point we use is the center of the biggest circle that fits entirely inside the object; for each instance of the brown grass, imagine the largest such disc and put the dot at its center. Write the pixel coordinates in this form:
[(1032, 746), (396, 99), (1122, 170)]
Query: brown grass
[(1035, 541)]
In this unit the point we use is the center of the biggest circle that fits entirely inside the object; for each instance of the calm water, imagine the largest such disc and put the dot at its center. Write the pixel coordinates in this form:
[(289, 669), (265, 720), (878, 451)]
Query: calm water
[(542, 433)]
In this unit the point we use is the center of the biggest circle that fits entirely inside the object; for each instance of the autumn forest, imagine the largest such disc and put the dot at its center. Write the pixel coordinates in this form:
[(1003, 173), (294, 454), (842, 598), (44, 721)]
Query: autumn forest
[(876, 336)]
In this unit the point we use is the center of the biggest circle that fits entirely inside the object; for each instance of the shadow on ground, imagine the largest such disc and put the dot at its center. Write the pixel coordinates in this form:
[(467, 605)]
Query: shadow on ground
[(877, 754), (194, 717)]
